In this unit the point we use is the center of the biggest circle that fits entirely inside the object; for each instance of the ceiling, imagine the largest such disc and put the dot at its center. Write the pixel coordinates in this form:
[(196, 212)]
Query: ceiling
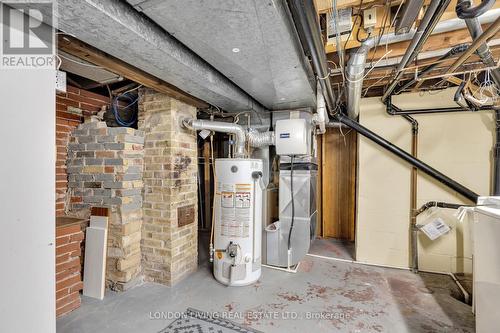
[(251, 42)]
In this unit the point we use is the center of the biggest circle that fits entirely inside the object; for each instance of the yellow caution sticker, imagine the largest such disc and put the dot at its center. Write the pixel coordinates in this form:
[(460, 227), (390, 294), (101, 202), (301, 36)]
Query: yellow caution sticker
[(219, 254)]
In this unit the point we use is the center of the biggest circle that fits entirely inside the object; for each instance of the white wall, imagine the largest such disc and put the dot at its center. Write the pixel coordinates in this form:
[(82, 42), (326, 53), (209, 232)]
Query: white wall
[(457, 144), (27, 234)]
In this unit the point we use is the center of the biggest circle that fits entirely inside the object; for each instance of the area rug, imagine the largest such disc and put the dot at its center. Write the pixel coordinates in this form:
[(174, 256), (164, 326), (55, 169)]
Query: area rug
[(195, 321)]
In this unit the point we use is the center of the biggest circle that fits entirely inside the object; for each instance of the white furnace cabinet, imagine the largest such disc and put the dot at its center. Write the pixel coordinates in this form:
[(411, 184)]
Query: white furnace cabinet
[(486, 275), (238, 220)]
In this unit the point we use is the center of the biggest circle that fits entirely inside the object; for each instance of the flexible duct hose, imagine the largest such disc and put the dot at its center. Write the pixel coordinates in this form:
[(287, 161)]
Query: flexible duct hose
[(260, 139)]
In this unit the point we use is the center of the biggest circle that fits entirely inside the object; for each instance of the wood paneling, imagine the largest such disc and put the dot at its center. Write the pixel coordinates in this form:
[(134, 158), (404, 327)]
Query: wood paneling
[(338, 164)]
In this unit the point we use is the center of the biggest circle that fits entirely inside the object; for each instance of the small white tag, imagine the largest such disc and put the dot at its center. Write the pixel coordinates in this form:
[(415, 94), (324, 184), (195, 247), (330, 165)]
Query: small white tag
[(204, 133), (60, 81), (435, 229)]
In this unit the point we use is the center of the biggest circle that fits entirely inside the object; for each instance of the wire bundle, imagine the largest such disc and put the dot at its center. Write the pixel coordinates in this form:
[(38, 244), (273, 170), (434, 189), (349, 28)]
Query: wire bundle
[(132, 101)]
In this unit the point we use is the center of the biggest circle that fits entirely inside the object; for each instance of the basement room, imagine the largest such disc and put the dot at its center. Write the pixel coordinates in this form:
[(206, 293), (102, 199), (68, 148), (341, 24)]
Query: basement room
[(260, 166)]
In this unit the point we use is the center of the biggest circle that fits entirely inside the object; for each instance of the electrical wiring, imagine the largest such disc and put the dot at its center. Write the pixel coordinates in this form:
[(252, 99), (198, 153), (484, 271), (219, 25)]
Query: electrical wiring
[(371, 68), (357, 14), (114, 108)]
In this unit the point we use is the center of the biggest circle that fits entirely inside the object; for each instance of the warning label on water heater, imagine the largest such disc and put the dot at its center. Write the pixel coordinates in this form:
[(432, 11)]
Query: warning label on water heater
[(235, 211)]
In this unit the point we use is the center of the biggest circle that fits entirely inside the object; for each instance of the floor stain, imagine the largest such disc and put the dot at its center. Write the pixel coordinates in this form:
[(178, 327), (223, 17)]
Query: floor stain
[(365, 295)]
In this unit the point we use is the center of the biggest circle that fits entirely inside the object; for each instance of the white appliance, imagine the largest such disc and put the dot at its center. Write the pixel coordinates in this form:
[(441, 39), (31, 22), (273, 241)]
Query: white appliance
[(486, 268), (238, 220), (293, 137)]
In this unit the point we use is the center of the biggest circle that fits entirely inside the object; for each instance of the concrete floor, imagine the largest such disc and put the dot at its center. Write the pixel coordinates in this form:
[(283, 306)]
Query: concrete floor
[(349, 297), (335, 248)]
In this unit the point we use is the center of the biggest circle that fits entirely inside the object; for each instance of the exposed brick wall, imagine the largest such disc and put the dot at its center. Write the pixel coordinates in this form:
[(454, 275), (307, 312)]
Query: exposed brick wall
[(70, 109), (169, 251), (105, 167), (68, 268)]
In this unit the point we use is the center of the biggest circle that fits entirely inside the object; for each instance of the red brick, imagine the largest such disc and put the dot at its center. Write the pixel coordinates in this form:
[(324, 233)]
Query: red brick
[(76, 287), (68, 282), (68, 230), (76, 199), (67, 299), (78, 237), (69, 102), (61, 114), (76, 253), (68, 308), (61, 293), (71, 89), (71, 263), (60, 241), (63, 275), (71, 247), (62, 258)]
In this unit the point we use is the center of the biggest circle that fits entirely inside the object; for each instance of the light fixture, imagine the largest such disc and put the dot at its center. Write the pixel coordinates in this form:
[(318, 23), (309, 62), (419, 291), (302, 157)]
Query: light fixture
[(236, 50)]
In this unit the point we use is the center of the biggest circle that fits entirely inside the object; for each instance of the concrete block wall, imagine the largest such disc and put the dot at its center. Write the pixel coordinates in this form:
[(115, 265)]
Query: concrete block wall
[(105, 167), (169, 248)]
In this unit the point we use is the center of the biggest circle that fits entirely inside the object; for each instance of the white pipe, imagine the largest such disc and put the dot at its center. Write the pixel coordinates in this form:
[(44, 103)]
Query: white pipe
[(320, 117), (220, 126)]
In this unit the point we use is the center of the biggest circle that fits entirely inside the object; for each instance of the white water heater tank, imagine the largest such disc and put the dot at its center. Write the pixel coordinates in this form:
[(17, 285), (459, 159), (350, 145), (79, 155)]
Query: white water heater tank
[(238, 220)]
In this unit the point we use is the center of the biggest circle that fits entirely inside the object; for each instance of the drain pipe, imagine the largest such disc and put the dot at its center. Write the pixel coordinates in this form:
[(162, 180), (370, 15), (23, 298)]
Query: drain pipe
[(496, 154), (321, 115), (413, 195), (475, 31), (454, 51)]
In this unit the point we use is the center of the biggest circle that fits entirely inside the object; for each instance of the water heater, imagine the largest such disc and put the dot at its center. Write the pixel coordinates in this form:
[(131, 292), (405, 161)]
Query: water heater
[(238, 220)]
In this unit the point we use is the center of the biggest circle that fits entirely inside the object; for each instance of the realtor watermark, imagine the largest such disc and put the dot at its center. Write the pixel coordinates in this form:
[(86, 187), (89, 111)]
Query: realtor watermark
[(27, 34), (250, 315)]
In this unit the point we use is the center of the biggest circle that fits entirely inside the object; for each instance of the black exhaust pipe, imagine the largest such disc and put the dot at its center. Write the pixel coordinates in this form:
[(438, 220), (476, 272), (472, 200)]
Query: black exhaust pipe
[(409, 158)]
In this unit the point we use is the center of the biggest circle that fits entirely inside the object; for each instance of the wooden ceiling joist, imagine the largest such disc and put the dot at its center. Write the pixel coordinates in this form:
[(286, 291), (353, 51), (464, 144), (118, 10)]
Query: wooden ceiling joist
[(89, 53)]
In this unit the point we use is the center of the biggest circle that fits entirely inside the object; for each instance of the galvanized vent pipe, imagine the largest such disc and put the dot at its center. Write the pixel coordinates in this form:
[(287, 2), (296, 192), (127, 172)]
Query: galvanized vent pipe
[(255, 138)]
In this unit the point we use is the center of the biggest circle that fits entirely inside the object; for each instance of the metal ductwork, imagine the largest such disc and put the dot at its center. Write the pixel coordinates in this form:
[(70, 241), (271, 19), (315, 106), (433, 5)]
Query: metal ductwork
[(223, 127), (409, 14), (483, 51), (253, 137), (260, 139), (116, 28), (305, 18)]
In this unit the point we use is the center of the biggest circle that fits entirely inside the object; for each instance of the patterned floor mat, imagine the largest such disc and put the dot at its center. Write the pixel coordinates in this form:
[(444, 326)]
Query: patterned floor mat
[(195, 321)]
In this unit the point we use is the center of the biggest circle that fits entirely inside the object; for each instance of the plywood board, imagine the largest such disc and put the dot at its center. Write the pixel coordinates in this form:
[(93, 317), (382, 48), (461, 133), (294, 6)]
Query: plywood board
[(339, 183)]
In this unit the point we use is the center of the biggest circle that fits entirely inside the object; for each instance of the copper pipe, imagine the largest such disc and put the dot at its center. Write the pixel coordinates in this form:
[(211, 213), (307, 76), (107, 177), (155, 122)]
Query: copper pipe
[(485, 36)]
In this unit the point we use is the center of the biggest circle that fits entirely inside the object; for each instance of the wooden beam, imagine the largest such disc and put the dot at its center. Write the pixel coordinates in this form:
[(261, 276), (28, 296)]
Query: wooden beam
[(447, 15), (89, 53)]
